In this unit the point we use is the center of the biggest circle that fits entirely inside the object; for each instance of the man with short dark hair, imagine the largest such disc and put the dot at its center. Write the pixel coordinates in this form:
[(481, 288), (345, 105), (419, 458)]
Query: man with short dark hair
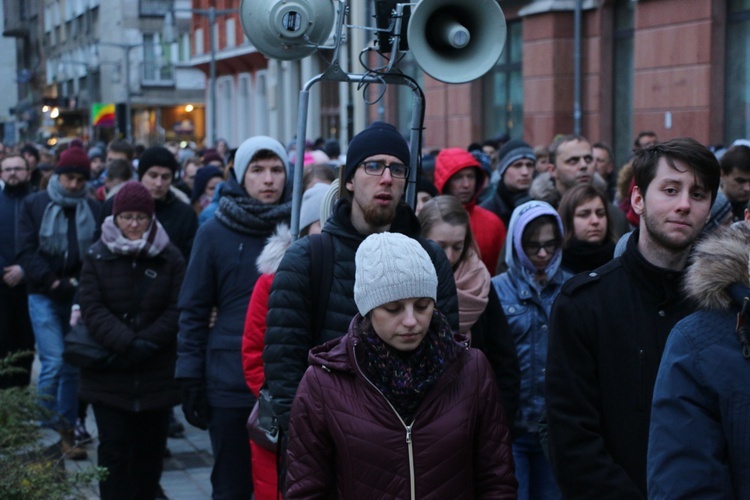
[(373, 183), (15, 325), (608, 328), (735, 179), (604, 165), (645, 139), (572, 162)]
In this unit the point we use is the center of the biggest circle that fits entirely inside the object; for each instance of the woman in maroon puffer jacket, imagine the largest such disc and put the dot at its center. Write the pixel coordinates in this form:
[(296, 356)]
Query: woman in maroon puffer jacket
[(396, 408)]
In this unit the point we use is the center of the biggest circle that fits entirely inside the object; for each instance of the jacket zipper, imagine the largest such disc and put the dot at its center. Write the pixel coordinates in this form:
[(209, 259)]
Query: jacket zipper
[(409, 445)]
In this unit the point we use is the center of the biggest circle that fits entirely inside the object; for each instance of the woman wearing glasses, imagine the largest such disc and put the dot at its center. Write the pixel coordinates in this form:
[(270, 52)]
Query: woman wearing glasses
[(527, 290), (128, 293)]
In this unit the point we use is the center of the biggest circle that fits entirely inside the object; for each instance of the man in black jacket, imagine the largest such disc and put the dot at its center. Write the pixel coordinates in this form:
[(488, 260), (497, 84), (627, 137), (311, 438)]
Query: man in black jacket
[(608, 328), (373, 181)]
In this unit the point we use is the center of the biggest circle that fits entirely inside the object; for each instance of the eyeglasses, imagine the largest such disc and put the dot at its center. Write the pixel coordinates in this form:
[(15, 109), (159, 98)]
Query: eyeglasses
[(398, 171), (532, 247), (14, 169), (129, 219)]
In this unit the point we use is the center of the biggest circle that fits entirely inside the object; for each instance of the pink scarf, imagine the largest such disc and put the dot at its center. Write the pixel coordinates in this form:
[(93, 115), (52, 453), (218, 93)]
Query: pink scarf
[(154, 240), (473, 288)]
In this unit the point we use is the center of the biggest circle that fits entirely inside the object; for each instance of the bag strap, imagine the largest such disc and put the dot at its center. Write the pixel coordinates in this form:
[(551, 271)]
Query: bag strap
[(321, 277)]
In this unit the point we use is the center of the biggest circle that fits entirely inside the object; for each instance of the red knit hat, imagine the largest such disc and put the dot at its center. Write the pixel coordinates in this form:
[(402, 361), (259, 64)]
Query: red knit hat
[(74, 160), (133, 197)]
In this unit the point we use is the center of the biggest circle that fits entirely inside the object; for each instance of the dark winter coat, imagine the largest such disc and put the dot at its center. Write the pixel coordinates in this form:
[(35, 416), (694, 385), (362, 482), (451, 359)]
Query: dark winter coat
[(177, 217), (111, 290), (702, 388), (292, 302), (42, 269), (221, 273), (607, 334), (11, 201), (347, 441)]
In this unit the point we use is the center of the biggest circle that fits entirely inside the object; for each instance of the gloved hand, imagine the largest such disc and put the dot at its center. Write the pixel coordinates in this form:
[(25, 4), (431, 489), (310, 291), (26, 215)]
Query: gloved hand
[(140, 350), (195, 403), (63, 292)]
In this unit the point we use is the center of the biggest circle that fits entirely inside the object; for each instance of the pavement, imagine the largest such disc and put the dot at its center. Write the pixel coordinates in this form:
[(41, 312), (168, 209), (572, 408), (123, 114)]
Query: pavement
[(187, 472)]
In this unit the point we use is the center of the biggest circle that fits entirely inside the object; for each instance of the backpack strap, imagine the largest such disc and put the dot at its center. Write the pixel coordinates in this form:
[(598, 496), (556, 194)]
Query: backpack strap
[(321, 277)]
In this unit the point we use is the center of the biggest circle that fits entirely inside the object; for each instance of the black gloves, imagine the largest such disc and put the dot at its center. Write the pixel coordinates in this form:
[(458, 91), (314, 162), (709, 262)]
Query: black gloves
[(195, 403), (64, 292), (140, 350)]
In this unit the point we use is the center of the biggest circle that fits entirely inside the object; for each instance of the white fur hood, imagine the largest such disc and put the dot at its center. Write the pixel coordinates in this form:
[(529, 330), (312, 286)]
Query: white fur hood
[(718, 262), (269, 259)]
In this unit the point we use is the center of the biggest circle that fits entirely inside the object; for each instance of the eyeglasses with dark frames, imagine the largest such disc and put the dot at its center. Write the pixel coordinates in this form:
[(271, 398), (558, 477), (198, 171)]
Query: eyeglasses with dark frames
[(374, 167), (532, 247)]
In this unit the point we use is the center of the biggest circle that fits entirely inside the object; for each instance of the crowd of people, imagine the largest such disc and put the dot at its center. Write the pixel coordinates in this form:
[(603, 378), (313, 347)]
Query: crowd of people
[(540, 325)]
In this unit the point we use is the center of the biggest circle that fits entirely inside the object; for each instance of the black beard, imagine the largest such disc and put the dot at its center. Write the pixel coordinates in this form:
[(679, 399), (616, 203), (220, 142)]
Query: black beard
[(11, 189)]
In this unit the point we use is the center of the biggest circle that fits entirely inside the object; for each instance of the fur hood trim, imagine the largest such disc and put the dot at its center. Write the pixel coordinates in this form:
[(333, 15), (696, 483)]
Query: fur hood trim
[(543, 188), (718, 262), (269, 259)]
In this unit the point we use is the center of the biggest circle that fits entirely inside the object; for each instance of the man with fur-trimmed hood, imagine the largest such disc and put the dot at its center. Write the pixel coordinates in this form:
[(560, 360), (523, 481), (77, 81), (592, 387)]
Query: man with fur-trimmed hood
[(702, 388)]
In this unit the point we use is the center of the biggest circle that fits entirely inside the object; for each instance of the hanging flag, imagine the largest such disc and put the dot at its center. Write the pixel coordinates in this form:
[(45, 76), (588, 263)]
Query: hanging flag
[(102, 115)]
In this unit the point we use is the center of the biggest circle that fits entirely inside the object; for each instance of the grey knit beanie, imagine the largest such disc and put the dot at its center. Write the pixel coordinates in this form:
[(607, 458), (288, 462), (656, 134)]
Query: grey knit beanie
[(390, 267), (513, 151), (311, 200)]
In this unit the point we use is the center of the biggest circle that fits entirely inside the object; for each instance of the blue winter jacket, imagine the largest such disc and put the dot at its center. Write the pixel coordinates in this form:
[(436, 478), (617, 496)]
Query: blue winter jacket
[(527, 307)]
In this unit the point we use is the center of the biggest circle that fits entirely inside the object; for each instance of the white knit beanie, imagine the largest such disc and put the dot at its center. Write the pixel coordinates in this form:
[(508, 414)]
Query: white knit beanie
[(390, 267)]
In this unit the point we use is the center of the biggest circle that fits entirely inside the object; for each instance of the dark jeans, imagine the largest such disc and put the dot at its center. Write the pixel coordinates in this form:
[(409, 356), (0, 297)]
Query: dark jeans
[(131, 447), (231, 477), (16, 333)]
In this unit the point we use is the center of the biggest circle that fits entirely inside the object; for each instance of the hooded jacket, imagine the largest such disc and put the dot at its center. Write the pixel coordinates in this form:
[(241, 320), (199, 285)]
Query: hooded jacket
[(487, 228), (347, 441), (527, 307), (288, 334), (702, 386)]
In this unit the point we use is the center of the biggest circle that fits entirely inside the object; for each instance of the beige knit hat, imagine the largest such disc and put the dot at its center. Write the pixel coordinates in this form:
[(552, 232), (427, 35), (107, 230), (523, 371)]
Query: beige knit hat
[(390, 267)]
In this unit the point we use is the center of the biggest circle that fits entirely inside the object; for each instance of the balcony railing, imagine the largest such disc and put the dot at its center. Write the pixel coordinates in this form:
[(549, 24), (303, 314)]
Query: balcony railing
[(147, 8), (155, 74)]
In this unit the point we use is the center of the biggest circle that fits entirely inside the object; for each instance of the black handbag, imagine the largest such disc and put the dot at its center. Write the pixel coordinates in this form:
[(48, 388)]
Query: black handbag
[(261, 424), (84, 351)]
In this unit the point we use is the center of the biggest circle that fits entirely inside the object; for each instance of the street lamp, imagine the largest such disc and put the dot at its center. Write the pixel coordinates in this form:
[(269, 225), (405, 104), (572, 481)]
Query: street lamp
[(211, 13), (126, 48)]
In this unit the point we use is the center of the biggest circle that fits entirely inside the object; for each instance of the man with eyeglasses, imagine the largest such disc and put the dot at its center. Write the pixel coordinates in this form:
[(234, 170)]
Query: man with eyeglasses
[(15, 325), (608, 328), (572, 160), (373, 180), (458, 173)]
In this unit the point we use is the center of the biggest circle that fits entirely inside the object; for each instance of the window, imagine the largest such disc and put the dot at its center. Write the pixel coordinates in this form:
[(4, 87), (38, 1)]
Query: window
[(503, 88), (156, 8), (622, 80), (737, 95)]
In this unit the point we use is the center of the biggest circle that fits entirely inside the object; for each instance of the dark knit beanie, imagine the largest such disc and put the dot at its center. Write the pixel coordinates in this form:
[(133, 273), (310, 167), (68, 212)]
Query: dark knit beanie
[(156, 156), (74, 160), (202, 176), (212, 155), (133, 197), (379, 138), (513, 151)]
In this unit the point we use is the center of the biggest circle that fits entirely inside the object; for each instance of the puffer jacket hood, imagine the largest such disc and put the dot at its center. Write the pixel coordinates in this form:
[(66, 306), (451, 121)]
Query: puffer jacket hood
[(543, 188), (718, 276), (269, 259), (449, 161)]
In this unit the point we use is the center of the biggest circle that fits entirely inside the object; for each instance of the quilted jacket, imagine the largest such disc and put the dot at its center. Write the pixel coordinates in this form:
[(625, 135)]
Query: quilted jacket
[(292, 301), (347, 441)]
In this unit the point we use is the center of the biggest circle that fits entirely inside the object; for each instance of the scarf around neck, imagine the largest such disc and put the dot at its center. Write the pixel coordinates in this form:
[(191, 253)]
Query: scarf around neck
[(473, 289), (580, 256), (239, 211), (153, 242), (53, 231), (404, 377)]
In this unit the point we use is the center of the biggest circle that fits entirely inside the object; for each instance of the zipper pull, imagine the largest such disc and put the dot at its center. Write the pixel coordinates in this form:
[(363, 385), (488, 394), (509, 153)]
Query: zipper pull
[(408, 434)]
